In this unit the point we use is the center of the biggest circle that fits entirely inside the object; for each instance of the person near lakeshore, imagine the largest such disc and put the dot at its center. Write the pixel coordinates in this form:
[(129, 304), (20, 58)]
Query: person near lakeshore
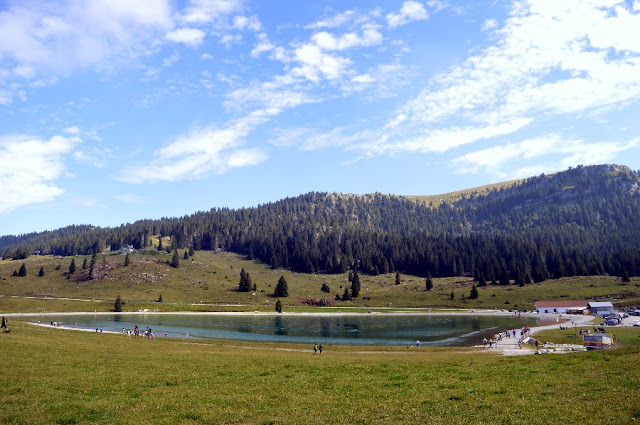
[(4, 324), (484, 341), (315, 349), (417, 343), (320, 348)]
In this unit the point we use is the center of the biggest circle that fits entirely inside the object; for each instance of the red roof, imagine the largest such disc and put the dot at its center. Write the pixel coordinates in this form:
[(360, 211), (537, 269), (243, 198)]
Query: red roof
[(556, 304)]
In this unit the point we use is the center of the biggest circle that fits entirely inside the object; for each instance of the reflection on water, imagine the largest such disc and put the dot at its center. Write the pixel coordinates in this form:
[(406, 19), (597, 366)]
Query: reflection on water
[(373, 329)]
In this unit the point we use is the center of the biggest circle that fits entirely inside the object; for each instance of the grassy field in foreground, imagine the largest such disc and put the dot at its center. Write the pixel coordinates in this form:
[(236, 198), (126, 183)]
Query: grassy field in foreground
[(69, 377), (210, 281)]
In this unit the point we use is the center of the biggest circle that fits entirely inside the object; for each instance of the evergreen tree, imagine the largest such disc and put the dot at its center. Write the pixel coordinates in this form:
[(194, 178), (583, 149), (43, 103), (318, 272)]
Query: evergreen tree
[(175, 261), (72, 266), (625, 275), (41, 272), (452, 295), (355, 285), (325, 288), (192, 252), (92, 266), (474, 293), (160, 298), (504, 277), (481, 281), (23, 270), (117, 306), (186, 255), (346, 296), (160, 248), (398, 281), (58, 267), (282, 290), (428, 282), (278, 306), (15, 273), (126, 260), (245, 282), (84, 264)]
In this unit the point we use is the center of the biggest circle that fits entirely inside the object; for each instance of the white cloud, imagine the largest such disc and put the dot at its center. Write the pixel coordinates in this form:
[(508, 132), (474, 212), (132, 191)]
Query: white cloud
[(264, 45), (230, 39), (549, 58), (206, 11), (55, 39), (246, 22), (74, 130), (206, 56), (327, 41), (336, 20), (201, 153), (489, 24), (189, 36), (29, 168), (409, 12), (503, 160)]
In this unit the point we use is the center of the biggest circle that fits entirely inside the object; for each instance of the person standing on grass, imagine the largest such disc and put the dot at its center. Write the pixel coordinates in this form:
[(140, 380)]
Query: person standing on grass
[(320, 348)]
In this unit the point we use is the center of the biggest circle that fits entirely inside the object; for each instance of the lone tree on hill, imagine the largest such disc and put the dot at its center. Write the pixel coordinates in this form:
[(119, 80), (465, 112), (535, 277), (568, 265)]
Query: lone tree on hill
[(72, 266), (398, 281), (428, 282), (625, 275), (452, 296), (23, 270), (355, 285), (278, 306), (325, 288), (175, 261), (117, 305), (186, 255), (160, 298), (126, 260), (41, 272), (92, 266), (346, 296), (245, 282), (282, 290), (474, 293)]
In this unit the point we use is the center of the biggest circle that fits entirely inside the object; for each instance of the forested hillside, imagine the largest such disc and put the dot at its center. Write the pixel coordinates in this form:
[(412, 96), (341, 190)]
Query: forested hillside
[(582, 221)]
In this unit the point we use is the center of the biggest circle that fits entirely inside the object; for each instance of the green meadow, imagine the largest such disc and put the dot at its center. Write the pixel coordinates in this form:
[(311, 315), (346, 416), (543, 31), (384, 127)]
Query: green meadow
[(57, 376), (209, 282), (70, 377)]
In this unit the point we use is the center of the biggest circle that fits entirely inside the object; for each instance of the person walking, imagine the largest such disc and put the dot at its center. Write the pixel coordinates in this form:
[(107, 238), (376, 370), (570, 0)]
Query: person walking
[(320, 348), (315, 349), (4, 324)]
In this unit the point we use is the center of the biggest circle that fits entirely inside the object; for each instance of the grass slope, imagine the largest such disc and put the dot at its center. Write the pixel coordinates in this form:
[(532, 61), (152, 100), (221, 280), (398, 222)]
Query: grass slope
[(209, 282), (68, 377)]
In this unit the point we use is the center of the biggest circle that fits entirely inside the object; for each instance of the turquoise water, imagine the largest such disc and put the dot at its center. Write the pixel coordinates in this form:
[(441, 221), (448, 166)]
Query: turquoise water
[(374, 329)]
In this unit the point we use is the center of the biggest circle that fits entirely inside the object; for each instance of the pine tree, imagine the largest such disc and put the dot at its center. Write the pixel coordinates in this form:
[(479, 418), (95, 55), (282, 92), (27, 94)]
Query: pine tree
[(92, 266), (346, 296), (186, 255), (278, 306), (355, 285), (245, 282), (126, 260), (481, 280), (428, 282), (398, 281), (192, 252), (175, 261), (72, 266), (160, 243), (41, 272), (625, 275), (452, 296), (474, 293), (84, 264), (282, 290), (160, 298), (23, 270), (117, 305), (325, 288)]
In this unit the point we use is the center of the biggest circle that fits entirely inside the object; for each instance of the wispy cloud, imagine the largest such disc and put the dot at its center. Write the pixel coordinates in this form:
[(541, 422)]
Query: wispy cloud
[(505, 161), (30, 167), (409, 12)]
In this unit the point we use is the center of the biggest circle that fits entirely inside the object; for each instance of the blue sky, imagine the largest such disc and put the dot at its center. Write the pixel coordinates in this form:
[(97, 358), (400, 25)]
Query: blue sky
[(114, 110)]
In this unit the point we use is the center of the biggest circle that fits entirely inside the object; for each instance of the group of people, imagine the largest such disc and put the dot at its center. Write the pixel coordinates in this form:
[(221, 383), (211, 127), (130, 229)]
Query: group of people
[(510, 333), (317, 348), (147, 333)]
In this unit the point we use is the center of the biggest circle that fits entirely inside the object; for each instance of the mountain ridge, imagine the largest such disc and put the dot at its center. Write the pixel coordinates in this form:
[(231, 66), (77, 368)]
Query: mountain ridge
[(578, 221)]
